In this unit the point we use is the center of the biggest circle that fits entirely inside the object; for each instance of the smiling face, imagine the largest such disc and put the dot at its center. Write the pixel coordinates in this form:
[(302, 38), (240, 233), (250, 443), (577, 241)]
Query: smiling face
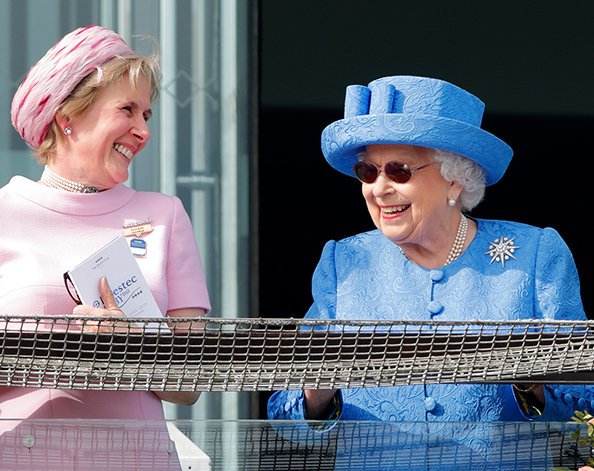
[(415, 214), (107, 137)]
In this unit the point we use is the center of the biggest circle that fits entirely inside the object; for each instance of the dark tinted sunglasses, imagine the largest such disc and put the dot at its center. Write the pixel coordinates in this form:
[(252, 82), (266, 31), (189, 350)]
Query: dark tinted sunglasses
[(367, 172)]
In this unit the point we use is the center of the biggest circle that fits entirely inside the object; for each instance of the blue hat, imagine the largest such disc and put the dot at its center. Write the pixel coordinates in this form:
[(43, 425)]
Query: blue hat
[(416, 111)]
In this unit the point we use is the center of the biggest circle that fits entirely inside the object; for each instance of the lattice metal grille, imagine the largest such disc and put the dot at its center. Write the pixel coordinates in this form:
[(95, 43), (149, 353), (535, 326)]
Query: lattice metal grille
[(107, 444), (262, 355)]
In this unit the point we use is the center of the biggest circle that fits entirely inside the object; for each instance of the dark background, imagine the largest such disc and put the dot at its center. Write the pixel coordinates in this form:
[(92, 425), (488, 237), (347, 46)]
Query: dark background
[(304, 202), (531, 62)]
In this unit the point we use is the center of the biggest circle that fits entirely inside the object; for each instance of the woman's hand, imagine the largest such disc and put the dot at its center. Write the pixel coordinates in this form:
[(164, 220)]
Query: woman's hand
[(540, 394), (111, 310), (317, 403), (536, 389)]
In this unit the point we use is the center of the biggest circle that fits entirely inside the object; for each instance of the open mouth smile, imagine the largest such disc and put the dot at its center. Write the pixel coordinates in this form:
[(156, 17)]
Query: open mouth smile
[(124, 151), (393, 211)]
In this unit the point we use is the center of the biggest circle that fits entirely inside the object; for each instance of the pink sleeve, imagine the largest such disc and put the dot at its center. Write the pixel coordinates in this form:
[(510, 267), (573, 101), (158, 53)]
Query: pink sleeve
[(186, 284)]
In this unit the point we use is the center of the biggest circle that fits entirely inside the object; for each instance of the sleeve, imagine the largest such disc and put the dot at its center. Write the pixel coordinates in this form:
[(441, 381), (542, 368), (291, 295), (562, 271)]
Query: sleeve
[(290, 405), (323, 285), (557, 282), (186, 284), (286, 405), (558, 297)]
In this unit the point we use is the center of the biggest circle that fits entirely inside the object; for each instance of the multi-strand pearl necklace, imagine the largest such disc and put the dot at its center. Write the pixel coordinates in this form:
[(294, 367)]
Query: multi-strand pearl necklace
[(54, 180), (458, 241), (456, 250)]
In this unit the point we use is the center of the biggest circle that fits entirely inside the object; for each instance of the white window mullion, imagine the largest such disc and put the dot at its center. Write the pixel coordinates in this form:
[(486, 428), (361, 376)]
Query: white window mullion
[(168, 118), (229, 195)]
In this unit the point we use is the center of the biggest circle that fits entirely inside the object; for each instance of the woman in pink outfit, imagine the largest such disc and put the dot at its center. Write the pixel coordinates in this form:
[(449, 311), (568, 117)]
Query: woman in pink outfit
[(84, 108)]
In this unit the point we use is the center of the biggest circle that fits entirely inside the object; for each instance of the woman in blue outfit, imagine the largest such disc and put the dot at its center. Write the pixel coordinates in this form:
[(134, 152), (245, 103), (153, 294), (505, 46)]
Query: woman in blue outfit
[(417, 147)]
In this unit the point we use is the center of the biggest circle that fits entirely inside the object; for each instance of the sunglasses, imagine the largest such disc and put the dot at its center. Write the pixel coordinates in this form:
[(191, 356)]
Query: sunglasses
[(367, 172)]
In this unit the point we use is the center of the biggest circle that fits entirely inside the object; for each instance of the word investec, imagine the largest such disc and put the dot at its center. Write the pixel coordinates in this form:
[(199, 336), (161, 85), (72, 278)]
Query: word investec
[(124, 286), (123, 290), (120, 293)]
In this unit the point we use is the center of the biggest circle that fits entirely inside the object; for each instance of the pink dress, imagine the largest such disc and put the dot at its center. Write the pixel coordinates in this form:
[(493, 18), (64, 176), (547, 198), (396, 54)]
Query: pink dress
[(44, 232)]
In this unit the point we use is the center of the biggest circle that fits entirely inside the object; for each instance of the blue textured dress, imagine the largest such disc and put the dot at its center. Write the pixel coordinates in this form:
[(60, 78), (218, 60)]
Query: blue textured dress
[(366, 277)]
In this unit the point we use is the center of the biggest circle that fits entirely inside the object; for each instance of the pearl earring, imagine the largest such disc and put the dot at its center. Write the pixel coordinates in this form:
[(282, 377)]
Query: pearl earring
[(452, 201), (68, 131)]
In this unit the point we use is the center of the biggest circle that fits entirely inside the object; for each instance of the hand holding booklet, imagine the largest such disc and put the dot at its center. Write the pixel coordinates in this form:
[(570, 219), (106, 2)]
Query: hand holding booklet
[(130, 289)]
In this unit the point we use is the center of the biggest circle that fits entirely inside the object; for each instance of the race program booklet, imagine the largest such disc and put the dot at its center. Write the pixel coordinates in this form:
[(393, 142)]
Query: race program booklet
[(130, 289)]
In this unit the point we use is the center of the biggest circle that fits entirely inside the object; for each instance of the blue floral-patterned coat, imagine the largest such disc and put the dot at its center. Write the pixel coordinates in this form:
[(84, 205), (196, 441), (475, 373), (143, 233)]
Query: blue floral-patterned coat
[(367, 277)]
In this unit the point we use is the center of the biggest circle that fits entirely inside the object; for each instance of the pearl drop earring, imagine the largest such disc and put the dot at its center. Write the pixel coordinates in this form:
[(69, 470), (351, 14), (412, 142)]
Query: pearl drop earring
[(68, 131), (452, 201)]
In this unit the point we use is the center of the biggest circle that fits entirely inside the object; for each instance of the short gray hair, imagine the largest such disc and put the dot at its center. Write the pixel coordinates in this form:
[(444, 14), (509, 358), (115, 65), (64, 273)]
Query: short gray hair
[(459, 169)]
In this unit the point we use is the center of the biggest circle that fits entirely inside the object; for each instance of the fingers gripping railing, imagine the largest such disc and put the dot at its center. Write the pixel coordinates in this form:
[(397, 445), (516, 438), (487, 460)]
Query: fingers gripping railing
[(69, 352)]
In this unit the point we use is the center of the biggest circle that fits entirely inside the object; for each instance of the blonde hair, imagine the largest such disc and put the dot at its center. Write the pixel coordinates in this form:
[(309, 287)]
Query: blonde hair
[(85, 94)]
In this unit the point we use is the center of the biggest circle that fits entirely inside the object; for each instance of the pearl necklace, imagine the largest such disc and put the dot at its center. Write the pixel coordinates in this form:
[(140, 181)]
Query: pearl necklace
[(458, 241), (53, 180), (456, 250)]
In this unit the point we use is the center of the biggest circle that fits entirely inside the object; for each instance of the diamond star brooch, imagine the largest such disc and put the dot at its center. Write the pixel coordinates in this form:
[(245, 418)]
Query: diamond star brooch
[(501, 250)]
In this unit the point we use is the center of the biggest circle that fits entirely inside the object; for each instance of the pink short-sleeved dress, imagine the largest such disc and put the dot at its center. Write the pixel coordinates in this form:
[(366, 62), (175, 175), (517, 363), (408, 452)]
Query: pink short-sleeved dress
[(44, 232)]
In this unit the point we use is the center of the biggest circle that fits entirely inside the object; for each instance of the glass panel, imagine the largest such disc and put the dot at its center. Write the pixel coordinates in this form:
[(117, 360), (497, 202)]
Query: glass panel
[(263, 445)]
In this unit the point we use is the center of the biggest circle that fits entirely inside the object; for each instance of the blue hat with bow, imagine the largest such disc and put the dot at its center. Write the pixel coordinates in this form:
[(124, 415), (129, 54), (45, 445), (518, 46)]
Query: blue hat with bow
[(417, 111)]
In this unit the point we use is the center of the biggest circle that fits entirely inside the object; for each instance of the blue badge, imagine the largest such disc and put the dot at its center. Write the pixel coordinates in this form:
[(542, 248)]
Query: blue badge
[(138, 247)]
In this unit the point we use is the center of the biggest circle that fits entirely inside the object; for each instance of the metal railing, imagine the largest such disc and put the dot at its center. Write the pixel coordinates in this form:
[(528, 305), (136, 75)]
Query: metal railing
[(70, 352)]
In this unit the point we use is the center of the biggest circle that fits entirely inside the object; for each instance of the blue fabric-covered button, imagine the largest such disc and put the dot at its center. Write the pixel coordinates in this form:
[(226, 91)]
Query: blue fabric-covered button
[(435, 307), (582, 404), (557, 392), (287, 406), (430, 404), (568, 398), (436, 275)]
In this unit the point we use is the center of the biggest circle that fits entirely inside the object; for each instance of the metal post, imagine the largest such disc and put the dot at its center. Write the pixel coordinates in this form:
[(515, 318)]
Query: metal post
[(168, 118), (124, 29), (229, 192)]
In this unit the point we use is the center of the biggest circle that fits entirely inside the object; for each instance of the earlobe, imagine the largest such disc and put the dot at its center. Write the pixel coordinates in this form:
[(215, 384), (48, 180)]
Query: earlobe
[(455, 190), (63, 123)]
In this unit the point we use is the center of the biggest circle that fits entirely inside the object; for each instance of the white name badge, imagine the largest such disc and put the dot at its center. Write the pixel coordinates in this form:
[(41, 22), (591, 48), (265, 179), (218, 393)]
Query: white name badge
[(138, 247)]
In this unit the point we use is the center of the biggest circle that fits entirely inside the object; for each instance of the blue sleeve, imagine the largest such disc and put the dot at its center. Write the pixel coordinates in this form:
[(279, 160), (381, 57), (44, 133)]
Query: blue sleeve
[(323, 286), (286, 405), (290, 405), (558, 298), (557, 282)]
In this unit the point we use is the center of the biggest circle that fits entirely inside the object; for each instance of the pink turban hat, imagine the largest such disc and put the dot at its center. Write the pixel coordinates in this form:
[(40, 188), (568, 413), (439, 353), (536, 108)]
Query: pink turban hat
[(54, 77)]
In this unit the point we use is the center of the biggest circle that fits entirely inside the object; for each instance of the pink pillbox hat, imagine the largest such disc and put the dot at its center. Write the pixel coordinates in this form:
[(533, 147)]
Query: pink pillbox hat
[(56, 74)]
